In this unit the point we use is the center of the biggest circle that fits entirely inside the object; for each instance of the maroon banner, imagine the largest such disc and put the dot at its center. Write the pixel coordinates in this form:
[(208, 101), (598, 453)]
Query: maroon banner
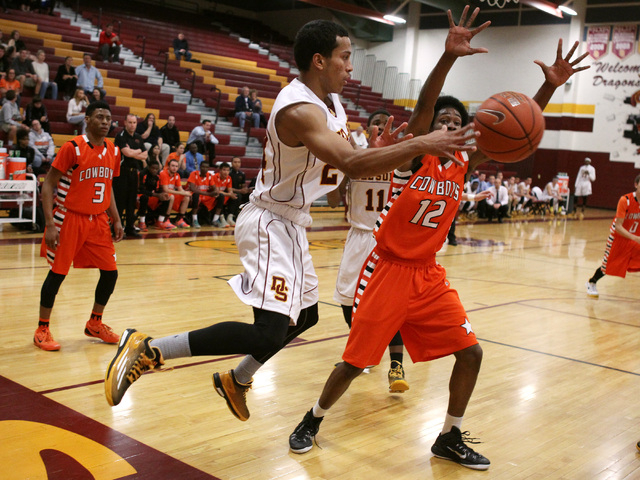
[(624, 37), (598, 41)]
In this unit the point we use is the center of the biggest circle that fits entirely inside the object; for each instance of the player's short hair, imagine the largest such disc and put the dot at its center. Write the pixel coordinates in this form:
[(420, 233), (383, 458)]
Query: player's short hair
[(21, 134), (96, 105), (153, 163), (445, 101), (224, 165), (206, 120), (317, 36), (10, 95), (204, 163), (377, 112), (637, 180), (172, 160)]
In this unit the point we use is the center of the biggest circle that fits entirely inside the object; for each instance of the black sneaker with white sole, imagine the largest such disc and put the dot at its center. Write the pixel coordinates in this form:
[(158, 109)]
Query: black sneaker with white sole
[(451, 446), (301, 440)]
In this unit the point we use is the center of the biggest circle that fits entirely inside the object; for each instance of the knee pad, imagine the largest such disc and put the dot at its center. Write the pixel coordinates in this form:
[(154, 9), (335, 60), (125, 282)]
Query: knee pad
[(50, 289), (105, 286)]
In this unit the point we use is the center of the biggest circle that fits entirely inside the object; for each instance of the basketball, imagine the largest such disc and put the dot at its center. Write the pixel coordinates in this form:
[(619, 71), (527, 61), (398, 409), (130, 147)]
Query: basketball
[(511, 126)]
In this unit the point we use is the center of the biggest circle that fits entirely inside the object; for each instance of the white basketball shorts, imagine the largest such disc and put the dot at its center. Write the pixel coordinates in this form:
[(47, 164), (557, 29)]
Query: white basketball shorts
[(357, 248), (278, 272)]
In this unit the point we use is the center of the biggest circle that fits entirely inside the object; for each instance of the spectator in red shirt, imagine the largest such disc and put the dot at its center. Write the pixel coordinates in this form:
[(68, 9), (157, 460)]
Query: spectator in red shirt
[(109, 45), (222, 180)]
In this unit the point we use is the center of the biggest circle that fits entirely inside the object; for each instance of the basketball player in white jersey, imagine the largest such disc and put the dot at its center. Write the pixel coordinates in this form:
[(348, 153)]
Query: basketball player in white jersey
[(306, 154), (366, 198)]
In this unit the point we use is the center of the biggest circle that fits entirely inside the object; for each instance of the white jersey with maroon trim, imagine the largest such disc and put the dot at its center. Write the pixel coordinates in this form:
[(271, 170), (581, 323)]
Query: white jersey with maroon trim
[(292, 177), (366, 198)]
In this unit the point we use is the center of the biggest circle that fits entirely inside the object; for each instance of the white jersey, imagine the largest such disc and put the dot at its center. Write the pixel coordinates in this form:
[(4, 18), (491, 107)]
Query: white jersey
[(292, 177), (586, 175), (366, 198)]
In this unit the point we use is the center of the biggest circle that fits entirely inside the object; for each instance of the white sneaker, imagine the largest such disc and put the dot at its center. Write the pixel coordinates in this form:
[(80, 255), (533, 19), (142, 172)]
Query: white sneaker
[(592, 291), (223, 222), (230, 220)]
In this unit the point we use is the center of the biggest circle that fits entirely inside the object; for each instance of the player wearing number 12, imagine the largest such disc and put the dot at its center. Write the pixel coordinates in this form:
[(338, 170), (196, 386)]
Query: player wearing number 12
[(77, 229)]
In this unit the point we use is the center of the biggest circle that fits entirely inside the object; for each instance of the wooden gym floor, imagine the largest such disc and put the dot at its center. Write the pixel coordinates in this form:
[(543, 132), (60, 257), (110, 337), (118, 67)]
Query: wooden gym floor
[(557, 396)]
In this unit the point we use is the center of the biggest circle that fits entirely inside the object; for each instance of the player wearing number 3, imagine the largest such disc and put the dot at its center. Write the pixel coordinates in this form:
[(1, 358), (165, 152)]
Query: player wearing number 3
[(402, 287), (77, 229)]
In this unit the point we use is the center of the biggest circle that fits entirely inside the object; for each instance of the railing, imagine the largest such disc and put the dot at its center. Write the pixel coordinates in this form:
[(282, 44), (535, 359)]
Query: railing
[(193, 83), (217, 107), (144, 46), (166, 61)]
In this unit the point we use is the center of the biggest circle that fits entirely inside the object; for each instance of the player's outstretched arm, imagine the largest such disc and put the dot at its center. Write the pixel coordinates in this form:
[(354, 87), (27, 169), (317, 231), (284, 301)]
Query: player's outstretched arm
[(558, 73), (305, 124), (457, 44)]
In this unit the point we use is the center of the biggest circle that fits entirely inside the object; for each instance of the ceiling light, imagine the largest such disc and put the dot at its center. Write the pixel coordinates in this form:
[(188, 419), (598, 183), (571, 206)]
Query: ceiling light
[(394, 19), (567, 10)]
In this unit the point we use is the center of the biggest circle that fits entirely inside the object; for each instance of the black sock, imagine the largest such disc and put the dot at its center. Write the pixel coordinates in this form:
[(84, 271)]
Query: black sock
[(596, 276), (396, 357)]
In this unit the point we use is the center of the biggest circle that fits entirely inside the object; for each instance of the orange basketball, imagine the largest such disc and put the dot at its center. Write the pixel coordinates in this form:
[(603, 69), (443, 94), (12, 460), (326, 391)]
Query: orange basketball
[(511, 126)]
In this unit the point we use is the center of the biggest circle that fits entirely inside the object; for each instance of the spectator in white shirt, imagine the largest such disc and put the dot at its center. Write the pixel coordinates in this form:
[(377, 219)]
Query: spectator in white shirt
[(42, 71), (359, 139), (43, 145), (202, 136), (77, 105), (498, 204), (586, 175)]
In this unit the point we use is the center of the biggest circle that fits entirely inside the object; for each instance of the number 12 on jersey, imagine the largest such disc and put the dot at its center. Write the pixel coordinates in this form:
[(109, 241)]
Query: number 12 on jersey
[(424, 216)]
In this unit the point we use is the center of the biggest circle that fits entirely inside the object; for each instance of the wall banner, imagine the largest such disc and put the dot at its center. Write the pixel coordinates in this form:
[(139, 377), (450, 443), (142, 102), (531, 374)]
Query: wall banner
[(624, 37), (598, 41)]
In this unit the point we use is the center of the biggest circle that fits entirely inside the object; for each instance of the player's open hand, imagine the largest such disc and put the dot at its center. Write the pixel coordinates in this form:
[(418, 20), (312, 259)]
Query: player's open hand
[(118, 231), (51, 237), (458, 40), (388, 137), (444, 142), (562, 69), (483, 196)]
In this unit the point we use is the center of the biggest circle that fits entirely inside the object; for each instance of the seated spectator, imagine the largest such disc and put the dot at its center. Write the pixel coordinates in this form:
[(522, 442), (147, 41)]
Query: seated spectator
[(23, 150), (239, 187), (37, 111), (25, 73), (171, 183), (193, 159), (43, 145), (257, 107), (470, 188), (181, 48), (150, 134), (89, 76), (551, 194), (153, 199), (11, 118), (77, 105), (42, 71), (66, 78), (202, 136), (180, 157), (514, 197), (524, 190), (204, 194), (96, 96), (109, 44), (498, 203), (5, 63), (10, 82), (222, 182), (483, 186), (358, 139), (15, 44), (170, 133), (244, 109), (153, 155)]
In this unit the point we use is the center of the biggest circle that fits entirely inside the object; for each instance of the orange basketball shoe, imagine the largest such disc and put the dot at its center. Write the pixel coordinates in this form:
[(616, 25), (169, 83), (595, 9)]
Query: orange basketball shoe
[(143, 227), (44, 340), (182, 224), (101, 331)]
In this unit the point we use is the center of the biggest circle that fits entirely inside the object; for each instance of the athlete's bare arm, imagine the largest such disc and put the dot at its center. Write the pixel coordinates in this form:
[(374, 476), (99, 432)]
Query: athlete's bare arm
[(51, 236), (623, 232), (305, 124), (112, 211)]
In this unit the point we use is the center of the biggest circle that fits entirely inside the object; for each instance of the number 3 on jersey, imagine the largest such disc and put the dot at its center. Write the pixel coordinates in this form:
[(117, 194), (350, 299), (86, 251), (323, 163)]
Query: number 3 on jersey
[(99, 192), (424, 216)]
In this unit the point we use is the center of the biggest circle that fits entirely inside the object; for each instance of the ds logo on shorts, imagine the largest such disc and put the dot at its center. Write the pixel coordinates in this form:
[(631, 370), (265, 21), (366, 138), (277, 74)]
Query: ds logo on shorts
[(279, 285)]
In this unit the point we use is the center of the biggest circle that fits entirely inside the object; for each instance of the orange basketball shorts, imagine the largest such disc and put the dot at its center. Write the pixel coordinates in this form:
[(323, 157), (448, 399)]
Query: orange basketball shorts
[(621, 256), (416, 299), (85, 241)]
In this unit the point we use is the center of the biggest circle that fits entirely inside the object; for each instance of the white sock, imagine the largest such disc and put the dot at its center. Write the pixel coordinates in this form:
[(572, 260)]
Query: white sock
[(195, 217), (318, 411), (246, 369), (216, 217), (451, 421), (161, 218), (175, 346), (141, 219)]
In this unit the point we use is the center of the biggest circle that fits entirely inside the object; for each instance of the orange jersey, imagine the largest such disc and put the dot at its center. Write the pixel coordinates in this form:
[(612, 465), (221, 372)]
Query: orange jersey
[(203, 185), (88, 171), (629, 209), (223, 185), (172, 181), (172, 156), (414, 224)]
